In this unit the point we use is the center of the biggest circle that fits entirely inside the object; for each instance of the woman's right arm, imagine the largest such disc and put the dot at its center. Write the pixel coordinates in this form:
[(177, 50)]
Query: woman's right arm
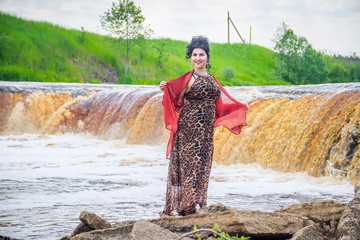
[(162, 85)]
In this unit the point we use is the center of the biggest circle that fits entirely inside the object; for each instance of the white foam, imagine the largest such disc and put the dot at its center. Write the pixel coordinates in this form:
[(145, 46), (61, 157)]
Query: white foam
[(46, 181)]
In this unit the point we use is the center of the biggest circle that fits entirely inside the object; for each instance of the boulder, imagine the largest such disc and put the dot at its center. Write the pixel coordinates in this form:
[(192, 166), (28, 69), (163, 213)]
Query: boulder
[(93, 221), (122, 233), (214, 208), (145, 230), (319, 211), (247, 223), (124, 223), (139, 230), (349, 223), (81, 228), (8, 238), (313, 232)]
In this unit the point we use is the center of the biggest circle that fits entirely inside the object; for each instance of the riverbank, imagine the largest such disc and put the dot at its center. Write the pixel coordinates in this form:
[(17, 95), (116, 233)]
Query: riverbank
[(317, 220)]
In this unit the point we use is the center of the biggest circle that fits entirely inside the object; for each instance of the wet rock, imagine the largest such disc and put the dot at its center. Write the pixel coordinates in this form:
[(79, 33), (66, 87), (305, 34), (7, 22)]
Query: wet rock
[(247, 223), (214, 208), (93, 221), (81, 228), (349, 224), (8, 238), (122, 233), (313, 232), (318, 211), (145, 230), (139, 230), (124, 223)]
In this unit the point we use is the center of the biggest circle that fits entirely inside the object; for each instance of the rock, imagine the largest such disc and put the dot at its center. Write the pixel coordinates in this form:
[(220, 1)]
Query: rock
[(145, 230), (8, 238), (81, 228), (318, 211), (122, 233), (247, 223), (313, 232), (139, 230), (214, 208), (349, 224), (93, 221), (124, 223)]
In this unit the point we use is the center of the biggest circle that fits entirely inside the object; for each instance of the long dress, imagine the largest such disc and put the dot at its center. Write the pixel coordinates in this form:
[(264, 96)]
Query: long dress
[(192, 153)]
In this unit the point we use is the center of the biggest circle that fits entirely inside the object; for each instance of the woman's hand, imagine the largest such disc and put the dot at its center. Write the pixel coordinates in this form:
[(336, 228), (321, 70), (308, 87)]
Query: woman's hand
[(247, 106), (162, 85)]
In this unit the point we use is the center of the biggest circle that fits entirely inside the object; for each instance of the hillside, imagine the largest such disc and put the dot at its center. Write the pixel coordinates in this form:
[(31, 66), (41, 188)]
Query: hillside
[(40, 51)]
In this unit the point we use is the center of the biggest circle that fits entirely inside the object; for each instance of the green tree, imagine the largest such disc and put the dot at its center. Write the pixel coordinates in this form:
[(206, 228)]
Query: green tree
[(300, 63), (4, 45), (313, 66), (290, 49), (82, 36), (125, 23), (228, 73), (160, 48)]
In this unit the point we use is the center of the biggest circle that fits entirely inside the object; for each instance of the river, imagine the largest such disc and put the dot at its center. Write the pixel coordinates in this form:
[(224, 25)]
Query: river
[(66, 148)]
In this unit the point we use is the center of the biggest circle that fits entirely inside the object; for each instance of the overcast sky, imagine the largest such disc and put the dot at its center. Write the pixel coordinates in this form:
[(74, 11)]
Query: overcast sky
[(330, 25)]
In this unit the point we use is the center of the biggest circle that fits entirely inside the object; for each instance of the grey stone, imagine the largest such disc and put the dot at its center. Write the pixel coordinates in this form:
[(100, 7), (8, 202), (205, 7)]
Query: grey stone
[(349, 224), (247, 223), (93, 221), (120, 233), (145, 230), (214, 208), (318, 211), (313, 232), (81, 228)]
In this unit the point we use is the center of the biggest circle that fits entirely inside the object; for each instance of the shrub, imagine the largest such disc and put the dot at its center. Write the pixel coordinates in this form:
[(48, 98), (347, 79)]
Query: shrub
[(228, 73)]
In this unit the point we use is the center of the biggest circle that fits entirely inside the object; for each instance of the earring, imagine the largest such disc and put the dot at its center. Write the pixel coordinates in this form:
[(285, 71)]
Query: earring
[(207, 65), (191, 64)]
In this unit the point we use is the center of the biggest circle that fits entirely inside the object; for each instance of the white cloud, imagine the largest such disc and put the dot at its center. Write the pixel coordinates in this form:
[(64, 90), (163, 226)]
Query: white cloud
[(327, 24)]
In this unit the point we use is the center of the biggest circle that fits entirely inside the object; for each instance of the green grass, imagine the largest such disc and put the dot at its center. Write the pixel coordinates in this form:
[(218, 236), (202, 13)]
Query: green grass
[(40, 51)]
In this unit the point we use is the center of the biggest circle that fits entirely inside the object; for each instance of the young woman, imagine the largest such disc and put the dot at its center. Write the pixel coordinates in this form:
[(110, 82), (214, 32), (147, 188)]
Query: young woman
[(194, 104)]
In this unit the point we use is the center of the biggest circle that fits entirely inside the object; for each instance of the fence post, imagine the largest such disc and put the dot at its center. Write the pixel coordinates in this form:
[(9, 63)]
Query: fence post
[(228, 27), (250, 36)]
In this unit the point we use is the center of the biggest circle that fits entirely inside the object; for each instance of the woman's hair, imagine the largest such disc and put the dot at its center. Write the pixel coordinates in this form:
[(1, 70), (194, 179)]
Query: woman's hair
[(199, 42)]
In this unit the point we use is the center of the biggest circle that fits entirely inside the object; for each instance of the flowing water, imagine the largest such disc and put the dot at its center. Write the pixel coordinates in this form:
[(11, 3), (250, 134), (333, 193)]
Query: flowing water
[(66, 148), (47, 180)]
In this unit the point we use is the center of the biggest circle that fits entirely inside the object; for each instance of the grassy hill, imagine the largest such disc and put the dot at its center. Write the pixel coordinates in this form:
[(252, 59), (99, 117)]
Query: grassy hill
[(40, 51)]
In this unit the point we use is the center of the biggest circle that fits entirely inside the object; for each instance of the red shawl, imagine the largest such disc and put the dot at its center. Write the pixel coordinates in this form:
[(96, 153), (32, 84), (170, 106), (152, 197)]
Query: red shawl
[(230, 113)]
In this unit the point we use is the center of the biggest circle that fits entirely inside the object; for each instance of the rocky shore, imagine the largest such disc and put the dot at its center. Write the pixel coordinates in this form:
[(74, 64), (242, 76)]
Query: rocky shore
[(317, 220)]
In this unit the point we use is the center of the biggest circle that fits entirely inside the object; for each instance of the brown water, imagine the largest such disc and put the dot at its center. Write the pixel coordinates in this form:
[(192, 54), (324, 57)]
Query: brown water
[(66, 148), (313, 129)]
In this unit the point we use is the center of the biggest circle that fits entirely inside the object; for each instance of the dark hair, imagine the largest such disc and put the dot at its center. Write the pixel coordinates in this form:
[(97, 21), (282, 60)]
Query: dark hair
[(199, 42)]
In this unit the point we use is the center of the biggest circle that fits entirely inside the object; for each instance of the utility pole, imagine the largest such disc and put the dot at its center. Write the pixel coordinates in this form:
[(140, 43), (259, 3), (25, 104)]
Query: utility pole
[(250, 35), (229, 20), (228, 27)]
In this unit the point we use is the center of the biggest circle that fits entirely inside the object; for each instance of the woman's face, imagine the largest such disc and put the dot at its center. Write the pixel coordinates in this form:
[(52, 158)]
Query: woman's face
[(199, 58)]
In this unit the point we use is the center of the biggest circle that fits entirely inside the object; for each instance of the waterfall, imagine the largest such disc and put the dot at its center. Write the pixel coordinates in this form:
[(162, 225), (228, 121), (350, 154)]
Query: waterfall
[(313, 129)]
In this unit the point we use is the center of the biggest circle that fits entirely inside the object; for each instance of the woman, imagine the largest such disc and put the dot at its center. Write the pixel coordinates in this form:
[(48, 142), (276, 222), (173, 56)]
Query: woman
[(194, 104)]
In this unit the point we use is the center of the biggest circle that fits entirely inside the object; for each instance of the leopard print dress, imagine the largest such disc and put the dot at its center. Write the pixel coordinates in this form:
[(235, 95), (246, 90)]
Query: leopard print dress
[(192, 153)]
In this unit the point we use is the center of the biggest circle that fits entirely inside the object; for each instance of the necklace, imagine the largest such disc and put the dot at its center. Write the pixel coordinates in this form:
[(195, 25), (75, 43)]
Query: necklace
[(202, 75)]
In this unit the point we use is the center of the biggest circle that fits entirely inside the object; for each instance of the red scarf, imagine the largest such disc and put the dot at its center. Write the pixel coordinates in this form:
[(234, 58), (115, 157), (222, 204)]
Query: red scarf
[(230, 113)]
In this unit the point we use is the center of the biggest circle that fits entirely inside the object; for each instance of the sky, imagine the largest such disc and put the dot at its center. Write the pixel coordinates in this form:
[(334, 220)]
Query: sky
[(328, 25)]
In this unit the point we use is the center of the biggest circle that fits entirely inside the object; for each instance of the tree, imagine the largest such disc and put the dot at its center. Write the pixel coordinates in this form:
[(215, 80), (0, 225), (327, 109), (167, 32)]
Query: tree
[(125, 23), (290, 48), (82, 36), (228, 73), (300, 63), (314, 68), (162, 54)]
